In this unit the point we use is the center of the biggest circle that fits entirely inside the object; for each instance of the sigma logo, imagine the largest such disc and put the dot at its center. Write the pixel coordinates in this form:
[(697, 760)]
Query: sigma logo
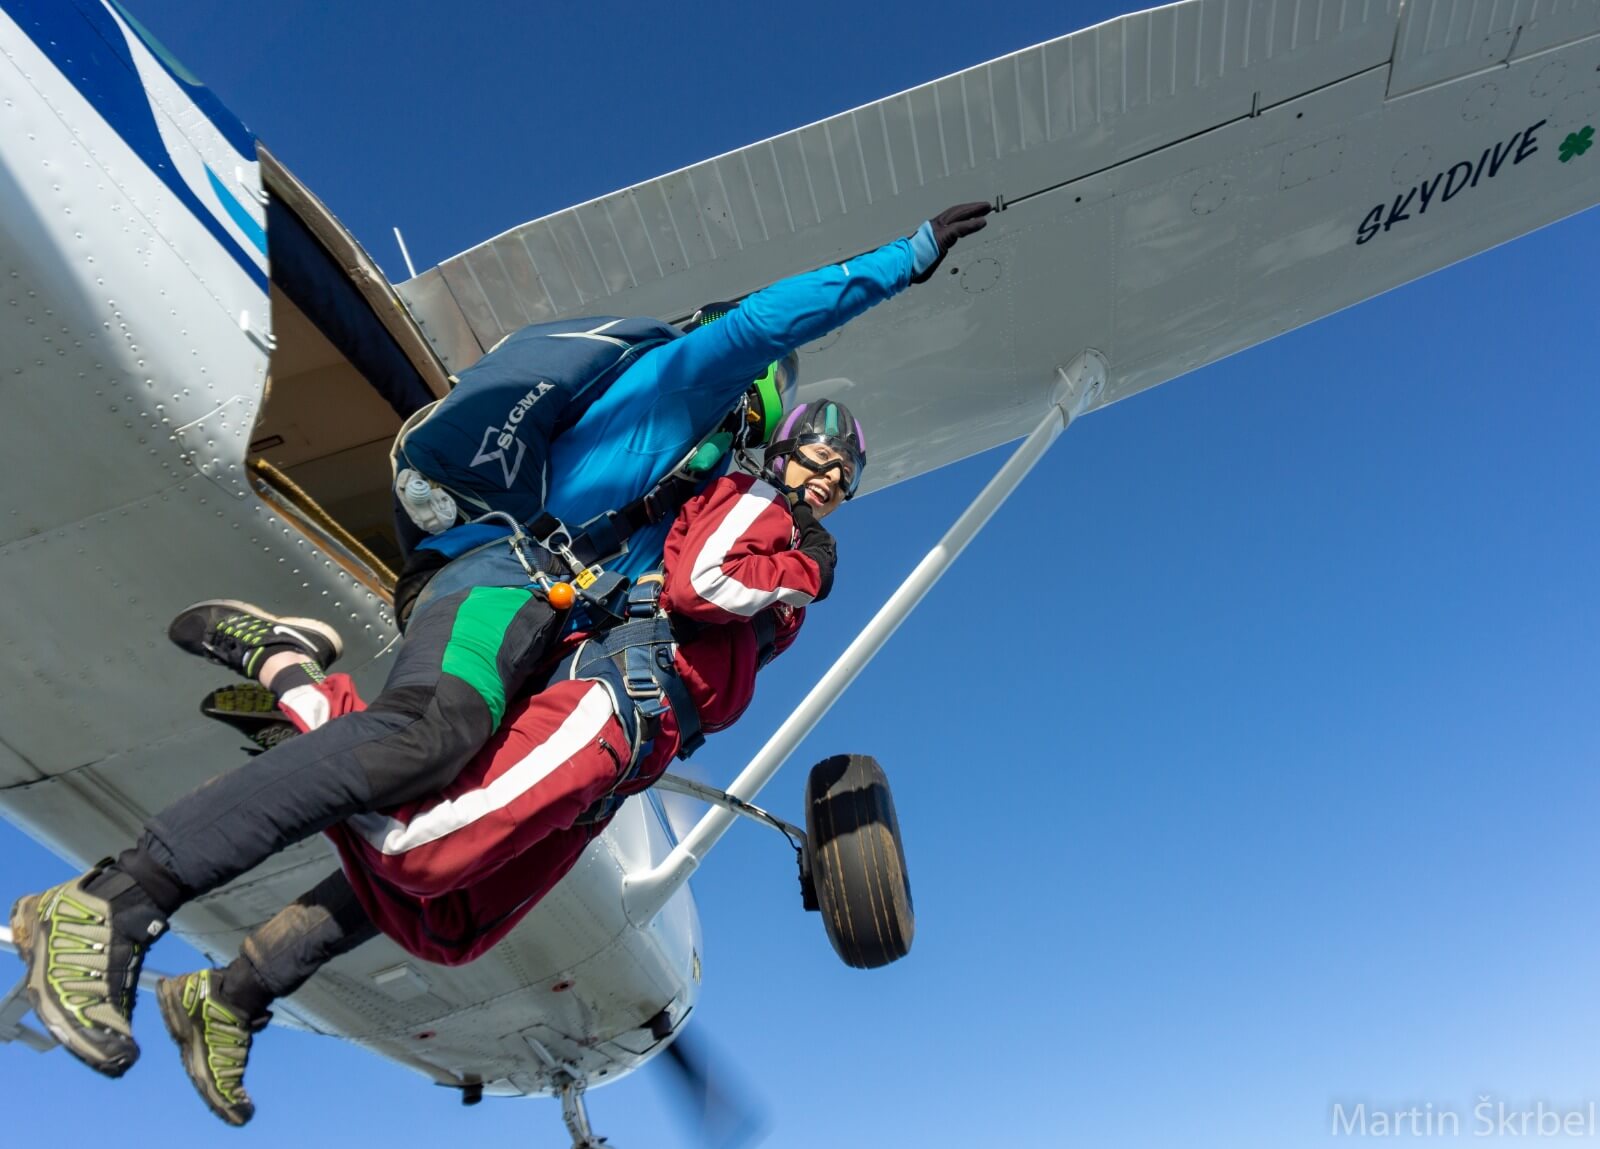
[(498, 442)]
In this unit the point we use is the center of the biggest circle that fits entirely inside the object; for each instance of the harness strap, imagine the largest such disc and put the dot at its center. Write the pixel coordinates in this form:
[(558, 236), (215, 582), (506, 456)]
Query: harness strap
[(605, 536), (765, 626), (643, 649), (600, 539)]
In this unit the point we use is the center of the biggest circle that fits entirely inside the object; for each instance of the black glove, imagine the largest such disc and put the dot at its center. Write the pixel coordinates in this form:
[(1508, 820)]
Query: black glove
[(950, 225), (818, 543)]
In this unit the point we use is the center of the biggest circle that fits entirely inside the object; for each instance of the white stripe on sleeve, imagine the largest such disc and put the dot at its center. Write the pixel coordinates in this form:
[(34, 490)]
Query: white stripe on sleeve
[(721, 589)]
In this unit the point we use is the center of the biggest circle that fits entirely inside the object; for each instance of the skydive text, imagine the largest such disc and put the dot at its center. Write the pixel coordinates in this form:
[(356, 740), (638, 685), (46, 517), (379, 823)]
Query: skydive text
[(1450, 183)]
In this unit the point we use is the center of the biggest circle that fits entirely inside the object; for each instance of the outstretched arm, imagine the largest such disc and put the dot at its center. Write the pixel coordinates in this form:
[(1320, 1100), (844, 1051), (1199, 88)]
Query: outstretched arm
[(778, 319), (676, 394)]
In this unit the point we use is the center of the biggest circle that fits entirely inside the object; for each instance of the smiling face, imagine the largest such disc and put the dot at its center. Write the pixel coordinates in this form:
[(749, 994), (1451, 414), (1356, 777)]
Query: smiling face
[(824, 481)]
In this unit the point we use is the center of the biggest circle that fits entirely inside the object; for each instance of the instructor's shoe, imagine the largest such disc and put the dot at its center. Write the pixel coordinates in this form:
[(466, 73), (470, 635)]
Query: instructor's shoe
[(241, 636), (252, 710), (82, 975), (214, 1038)]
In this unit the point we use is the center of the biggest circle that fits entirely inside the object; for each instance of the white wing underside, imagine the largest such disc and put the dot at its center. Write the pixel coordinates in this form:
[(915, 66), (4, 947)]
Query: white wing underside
[(1181, 184)]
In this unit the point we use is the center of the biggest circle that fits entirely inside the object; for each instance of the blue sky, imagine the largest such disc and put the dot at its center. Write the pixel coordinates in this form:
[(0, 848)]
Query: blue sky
[(1268, 784)]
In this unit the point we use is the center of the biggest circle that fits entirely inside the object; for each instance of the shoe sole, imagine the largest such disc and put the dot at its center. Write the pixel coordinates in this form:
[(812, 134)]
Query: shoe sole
[(246, 722), (317, 626), (180, 1027), (24, 924)]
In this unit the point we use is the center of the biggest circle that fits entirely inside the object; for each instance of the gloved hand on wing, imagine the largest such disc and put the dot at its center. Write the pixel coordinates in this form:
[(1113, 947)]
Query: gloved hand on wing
[(934, 239)]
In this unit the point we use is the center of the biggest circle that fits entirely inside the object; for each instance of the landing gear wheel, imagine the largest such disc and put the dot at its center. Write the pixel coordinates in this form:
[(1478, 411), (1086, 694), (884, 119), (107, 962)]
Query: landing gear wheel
[(856, 863)]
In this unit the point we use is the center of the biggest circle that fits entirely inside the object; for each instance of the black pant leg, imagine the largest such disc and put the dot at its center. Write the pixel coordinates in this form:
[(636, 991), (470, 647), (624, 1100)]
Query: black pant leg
[(282, 953)]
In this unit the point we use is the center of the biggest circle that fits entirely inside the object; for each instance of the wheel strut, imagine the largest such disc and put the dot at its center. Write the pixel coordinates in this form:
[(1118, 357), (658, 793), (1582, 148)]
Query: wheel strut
[(575, 1113)]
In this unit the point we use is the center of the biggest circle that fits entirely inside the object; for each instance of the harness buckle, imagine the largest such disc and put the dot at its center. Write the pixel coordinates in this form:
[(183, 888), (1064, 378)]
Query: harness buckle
[(602, 591), (574, 563), (639, 678), (518, 541), (560, 543), (644, 596)]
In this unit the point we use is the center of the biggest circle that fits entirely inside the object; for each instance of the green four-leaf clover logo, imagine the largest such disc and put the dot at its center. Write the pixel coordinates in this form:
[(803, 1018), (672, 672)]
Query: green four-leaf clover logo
[(1577, 143)]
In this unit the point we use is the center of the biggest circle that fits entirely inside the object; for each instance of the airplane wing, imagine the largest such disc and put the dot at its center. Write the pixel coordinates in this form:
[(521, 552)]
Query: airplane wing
[(1178, 185)]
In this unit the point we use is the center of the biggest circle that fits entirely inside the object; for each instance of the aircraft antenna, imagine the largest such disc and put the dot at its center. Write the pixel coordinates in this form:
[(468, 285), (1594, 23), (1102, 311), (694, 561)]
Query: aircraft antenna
[(411, 268)]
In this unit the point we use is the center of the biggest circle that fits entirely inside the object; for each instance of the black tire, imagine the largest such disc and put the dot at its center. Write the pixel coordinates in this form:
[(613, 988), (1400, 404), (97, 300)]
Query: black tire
[(857, 861)]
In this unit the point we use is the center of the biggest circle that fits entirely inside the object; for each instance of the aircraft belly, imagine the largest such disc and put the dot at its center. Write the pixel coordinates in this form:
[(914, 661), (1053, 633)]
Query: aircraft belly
[(129, 385), (88, 673), (573, 977)]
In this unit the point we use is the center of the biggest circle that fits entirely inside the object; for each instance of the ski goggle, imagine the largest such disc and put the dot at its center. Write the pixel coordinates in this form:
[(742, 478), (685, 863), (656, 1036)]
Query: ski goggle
[(848, 465)]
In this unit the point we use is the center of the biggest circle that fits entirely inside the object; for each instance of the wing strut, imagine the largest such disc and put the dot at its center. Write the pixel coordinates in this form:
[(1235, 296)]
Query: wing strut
[(1077, 389)]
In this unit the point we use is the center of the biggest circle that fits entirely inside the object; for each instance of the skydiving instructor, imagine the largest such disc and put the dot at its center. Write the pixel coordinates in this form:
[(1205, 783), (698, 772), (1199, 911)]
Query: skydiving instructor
[(467, 652)]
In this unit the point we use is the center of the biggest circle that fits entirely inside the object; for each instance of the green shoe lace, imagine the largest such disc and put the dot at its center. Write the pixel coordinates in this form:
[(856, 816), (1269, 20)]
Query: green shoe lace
[(78, 947), (245, 633), (225, 1033)]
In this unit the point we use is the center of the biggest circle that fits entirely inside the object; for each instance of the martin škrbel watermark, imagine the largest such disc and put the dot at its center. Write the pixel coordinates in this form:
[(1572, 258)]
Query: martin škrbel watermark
[(1488, 1116)]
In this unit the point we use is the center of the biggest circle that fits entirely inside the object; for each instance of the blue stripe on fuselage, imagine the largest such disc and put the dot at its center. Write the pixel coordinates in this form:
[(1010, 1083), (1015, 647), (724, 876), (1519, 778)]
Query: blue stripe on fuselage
[(85, 43), (229, 125), (230, 203)]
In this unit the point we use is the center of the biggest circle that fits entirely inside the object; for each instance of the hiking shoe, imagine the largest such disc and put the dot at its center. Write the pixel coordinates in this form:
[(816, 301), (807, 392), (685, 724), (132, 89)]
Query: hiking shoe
[(241, 636), (252, 710), (214, 1038), (82, 975)]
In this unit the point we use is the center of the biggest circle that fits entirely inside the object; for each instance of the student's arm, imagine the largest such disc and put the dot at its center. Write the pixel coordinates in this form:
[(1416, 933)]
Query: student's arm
[(731, 555)]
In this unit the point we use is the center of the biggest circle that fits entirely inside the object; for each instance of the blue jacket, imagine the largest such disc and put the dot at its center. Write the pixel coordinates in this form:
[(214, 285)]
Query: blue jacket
[(659, 409)]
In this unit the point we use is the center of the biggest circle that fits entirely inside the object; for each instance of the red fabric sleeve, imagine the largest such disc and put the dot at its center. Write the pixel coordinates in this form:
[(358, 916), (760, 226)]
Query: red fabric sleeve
[(729, 557)]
